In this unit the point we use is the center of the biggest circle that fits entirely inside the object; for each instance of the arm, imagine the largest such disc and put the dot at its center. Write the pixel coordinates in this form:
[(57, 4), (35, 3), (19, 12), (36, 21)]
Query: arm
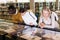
[(55, 15), (41, 24), (33, 15)]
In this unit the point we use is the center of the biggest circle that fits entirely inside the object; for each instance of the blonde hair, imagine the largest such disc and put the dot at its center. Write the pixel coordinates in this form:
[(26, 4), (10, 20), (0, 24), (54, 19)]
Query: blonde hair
[(46, 9)]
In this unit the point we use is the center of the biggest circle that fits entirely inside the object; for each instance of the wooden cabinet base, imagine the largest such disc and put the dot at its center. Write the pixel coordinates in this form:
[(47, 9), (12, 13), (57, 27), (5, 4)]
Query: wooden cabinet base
[(27, 37)]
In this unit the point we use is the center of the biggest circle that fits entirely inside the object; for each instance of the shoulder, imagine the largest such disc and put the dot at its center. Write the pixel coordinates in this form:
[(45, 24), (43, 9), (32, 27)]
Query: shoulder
[(54, 13)]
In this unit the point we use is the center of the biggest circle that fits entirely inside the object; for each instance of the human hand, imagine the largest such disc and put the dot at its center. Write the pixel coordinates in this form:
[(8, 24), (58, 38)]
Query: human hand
[(31, 23), (42, 25)]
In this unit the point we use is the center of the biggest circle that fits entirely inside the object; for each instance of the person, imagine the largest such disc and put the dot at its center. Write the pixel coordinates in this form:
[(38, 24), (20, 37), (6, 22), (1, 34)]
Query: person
[(29, 19), (17, 18), (47, 19)]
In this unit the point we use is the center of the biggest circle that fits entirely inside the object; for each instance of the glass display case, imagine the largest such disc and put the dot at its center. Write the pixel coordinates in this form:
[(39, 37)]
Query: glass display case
[(46, 33)]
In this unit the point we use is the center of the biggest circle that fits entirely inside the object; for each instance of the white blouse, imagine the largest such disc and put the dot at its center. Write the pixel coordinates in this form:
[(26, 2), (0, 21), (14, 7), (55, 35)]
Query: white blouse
[(55, 15), (49, 23), (29, 17)]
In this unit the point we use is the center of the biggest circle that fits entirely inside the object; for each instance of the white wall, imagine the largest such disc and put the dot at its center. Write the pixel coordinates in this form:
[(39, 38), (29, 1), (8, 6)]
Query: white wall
[(23, 1), (5, 1), (50, 0), (39, 0)]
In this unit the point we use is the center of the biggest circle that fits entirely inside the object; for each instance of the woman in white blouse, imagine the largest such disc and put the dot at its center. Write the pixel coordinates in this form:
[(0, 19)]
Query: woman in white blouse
[(47, 19), (30, 19)]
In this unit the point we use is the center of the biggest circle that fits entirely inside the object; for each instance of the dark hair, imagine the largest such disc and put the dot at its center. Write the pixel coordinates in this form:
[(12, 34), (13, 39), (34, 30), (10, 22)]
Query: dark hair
[(21, 10), (26, 8), (12, 9)]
